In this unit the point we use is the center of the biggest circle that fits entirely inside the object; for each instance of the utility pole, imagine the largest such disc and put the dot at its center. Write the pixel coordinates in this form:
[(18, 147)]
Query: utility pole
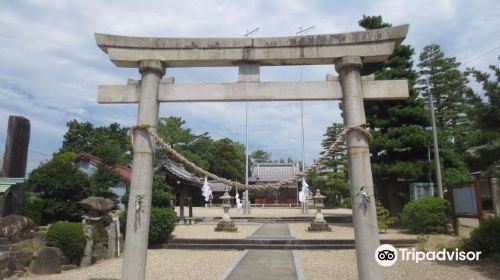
[(246, 197), (305, 206), (435, 142)]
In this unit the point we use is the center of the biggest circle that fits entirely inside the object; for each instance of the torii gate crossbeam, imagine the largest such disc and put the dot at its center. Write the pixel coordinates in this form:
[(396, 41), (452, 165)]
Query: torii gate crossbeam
[(353, 54)]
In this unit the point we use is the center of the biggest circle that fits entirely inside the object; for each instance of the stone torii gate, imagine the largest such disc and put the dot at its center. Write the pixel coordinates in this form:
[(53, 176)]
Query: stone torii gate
[(353, 54)]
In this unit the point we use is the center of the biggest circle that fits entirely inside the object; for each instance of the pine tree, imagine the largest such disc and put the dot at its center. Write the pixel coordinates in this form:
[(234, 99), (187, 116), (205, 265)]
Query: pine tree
[(485, 139), (452, 99), (400, 145), (451, 96), (338, 160)]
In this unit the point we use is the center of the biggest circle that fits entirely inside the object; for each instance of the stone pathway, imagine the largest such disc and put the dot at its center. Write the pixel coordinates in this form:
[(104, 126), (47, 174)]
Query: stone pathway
[(267, 264), (272, 231)]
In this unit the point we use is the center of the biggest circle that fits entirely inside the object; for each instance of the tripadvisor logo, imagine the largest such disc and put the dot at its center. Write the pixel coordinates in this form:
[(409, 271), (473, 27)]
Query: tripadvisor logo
[(387, 255)]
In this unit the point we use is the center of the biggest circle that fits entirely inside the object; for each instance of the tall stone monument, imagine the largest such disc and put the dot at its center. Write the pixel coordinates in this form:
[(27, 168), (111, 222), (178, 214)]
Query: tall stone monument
[(16, 147)]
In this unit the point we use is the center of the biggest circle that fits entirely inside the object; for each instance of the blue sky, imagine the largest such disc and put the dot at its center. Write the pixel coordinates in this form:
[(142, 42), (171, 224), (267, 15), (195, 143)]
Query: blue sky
[(51, 66)]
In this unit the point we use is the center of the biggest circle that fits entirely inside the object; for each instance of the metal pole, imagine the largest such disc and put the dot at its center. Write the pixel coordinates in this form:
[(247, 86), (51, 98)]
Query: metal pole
[(304, 205), (246, 195), (435, 142)]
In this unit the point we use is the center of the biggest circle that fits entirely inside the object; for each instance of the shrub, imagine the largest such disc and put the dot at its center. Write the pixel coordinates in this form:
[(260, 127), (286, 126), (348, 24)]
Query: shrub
[(68, 237), (346, 203), (485, 238), (162, 223), (384, 219), (33, 207), (427, 215)]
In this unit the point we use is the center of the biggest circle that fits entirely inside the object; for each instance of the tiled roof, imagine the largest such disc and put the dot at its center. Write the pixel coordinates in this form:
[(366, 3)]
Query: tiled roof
[(272, 172), (124, 172), (179, 171)]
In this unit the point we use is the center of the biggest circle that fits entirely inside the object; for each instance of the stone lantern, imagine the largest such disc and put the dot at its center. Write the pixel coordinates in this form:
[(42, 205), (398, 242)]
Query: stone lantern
[(226, 224), (319, 223)]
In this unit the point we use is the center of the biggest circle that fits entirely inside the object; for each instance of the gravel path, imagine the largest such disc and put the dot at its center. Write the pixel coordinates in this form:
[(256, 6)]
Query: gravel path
[(162, 264), (206, 231), (342, 231), (341, 264)]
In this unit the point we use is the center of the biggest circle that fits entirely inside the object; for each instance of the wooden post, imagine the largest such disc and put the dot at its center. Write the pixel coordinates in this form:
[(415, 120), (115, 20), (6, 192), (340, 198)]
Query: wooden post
[(16, 147), (360, 172), (495, 193), (182, 197), (139, 206)]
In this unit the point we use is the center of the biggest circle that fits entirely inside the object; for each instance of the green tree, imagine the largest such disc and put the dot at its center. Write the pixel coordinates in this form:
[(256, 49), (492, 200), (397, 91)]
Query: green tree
[(228, 159), (451, 96), (452, 99), (485, 139), (338, 160), (400, 139), (260, 156), (196, 148), (110, 143), (333, 186), (60, 184)]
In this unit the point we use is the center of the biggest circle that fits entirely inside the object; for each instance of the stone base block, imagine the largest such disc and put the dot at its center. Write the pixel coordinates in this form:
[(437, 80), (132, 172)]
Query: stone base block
[(226, 226), (319, 227)]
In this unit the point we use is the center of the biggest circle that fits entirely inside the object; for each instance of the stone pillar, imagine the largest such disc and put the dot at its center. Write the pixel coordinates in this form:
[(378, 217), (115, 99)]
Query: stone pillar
[(495, 195), (139, 206), (16, 147), (88, 231), (360, 172)]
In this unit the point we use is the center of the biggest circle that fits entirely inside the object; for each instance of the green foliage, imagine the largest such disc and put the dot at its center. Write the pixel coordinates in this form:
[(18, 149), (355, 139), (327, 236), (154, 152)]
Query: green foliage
[(338, 159), (384, 219), (484, 140), (400, 139), (162, 193), (163, 221), (346, 203), (102, 181), (223, 157), (110, 143), (33, 207), (373, 22), (163, 217), (331, 185), (427, 215), (161, 196), (68, 237), (228, 159), (485, 238), (260, 156), (59, 184)]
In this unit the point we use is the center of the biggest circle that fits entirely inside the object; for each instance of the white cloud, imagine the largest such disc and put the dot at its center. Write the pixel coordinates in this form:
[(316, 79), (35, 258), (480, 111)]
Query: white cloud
[(51, 66)]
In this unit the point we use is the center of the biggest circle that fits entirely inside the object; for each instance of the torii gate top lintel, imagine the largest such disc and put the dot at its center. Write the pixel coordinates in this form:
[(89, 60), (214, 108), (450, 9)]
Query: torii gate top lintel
[(373, 46)]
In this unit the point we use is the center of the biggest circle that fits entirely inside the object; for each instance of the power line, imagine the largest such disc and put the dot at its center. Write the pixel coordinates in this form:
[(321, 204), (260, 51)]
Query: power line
[(480, 56)]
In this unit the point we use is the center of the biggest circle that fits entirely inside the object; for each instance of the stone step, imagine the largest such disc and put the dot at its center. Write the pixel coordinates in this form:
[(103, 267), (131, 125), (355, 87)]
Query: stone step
[(274, 241), (209, 246), (297, 219)]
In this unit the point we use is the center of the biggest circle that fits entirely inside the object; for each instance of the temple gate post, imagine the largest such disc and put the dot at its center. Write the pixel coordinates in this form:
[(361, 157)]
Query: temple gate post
[(139, 206), (360, 172)]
